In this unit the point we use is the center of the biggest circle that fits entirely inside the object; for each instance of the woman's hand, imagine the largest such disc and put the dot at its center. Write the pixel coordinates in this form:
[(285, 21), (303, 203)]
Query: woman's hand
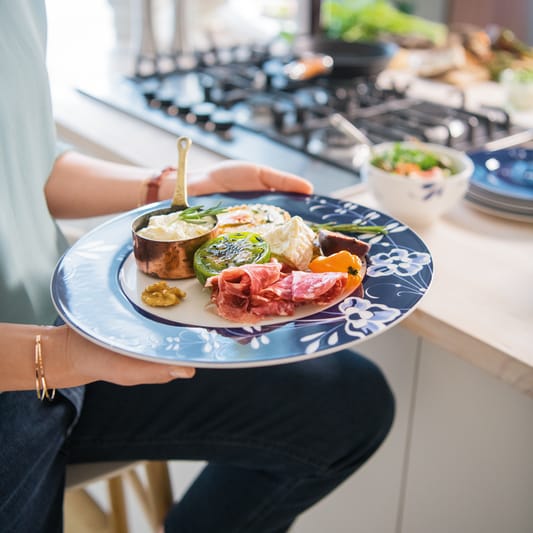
[(70, 360), (240, 176), (87, 362)]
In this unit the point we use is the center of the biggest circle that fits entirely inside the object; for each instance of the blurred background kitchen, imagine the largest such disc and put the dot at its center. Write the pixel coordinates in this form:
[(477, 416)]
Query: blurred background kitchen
[(121, 52), (206, 63), (491, 31), (459, 456)]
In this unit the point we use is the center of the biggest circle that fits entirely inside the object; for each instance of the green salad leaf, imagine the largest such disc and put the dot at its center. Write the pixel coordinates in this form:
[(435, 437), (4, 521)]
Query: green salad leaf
[(368, 20), (399, 154)]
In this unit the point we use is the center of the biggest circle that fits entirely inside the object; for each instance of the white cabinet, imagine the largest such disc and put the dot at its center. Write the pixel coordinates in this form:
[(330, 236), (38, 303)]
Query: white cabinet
[(369, 501), (458, 459), (470, 466)]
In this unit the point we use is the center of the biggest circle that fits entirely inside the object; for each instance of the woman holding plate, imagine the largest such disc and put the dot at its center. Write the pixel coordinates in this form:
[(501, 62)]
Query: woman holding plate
[(276, 439)]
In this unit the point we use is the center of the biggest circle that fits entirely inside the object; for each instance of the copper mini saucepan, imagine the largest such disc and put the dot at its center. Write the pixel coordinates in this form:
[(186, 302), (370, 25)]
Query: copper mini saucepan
[(169, 259)]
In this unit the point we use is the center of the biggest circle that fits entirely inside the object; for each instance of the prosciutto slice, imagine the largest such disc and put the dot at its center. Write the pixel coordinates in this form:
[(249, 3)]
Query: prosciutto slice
[(252, 292), (310, 287)]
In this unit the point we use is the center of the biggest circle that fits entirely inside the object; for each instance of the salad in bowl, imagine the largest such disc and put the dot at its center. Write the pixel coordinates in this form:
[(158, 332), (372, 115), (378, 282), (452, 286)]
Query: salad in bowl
[(417, 182)]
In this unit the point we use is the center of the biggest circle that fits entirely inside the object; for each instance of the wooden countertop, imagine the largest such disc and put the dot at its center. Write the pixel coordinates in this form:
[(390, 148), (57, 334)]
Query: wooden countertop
[(480, 304)]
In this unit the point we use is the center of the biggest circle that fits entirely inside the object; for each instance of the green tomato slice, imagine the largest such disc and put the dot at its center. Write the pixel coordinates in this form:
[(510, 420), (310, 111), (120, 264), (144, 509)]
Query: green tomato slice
[(228, 250)]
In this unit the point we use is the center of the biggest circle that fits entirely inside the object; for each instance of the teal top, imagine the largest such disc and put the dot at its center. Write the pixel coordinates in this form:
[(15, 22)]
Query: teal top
[(30, 241)]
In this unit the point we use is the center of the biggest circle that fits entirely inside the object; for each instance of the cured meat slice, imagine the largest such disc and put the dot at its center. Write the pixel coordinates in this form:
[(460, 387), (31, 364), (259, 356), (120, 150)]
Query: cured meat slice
[(319, 289), (309, 287), (236, 290), (246, 279), (255, 291), (262, 307)]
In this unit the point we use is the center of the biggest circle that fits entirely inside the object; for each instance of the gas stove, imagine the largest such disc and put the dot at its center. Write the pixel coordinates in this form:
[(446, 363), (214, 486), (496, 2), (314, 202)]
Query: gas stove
[(241, 103)]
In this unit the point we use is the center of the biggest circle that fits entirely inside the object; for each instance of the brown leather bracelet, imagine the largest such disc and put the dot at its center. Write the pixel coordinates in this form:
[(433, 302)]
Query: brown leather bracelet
[(153, 185)]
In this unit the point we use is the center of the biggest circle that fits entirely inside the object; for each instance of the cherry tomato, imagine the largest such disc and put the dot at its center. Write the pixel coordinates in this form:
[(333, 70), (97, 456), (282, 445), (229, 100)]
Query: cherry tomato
[(342, 261)]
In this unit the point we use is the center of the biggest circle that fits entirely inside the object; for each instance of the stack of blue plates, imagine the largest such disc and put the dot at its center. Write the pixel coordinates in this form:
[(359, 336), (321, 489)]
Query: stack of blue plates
[(502, 183)]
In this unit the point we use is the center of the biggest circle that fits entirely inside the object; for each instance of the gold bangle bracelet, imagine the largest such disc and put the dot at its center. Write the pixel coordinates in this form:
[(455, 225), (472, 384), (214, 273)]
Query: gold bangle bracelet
[(40, 380)]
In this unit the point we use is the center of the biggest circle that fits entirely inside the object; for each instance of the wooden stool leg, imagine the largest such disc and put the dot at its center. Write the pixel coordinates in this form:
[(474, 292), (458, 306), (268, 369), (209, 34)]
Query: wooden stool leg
[(83, 514), (159, 489), (118, 505)]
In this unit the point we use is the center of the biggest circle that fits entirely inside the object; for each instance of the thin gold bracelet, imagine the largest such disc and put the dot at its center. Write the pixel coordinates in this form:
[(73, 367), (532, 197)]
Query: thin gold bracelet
[(40, 380)]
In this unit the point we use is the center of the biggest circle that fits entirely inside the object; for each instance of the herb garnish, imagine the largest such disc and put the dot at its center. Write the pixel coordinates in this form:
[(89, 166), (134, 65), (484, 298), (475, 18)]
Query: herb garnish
[(347, 228), (196, 213)]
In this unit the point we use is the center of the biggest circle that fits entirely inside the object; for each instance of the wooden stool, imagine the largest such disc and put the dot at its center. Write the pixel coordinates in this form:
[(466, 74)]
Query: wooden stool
[(83, 514)]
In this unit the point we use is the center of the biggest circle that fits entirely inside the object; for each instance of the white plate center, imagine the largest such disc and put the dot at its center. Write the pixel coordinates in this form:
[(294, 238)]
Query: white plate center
[(194, 309)]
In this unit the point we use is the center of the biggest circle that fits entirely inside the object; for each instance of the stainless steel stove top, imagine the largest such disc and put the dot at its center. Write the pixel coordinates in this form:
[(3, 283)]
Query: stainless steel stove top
[(248, 109)]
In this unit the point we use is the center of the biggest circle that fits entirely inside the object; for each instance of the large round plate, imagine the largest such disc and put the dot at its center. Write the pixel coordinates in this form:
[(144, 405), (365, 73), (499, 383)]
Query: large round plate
[(91, 293), (505, 173), (509, 214)]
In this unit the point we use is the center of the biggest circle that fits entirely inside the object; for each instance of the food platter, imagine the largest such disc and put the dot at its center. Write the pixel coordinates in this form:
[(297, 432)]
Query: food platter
[(95, 288)]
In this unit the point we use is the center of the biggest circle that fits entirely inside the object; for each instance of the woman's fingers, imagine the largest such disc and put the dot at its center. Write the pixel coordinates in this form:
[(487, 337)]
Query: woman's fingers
[(129, 371), (283, 181), (88, 362), (242, 176)]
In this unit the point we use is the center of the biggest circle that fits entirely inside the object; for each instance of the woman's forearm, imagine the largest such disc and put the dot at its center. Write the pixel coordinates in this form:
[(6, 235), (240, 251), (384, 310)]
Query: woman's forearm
[(70, 360), (82, 186), (17, 356)]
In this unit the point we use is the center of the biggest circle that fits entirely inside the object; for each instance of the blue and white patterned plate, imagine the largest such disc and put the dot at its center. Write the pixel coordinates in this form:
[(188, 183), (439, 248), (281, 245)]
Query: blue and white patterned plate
[(508, 174), (94, 290)]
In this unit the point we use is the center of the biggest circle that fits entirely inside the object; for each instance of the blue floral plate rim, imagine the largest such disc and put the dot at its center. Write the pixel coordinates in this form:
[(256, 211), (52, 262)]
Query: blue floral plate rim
[(507, 173), (87, 293)]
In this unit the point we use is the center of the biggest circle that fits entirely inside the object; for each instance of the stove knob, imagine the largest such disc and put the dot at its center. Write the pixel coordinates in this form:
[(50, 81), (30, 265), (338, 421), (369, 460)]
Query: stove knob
[(173, 110), (166, 102), (154, 103), (279, 111), (212, 93), (203, 111), (163, 99), (158, 100), (302, 113), (207, 83), (274, 75), (222, 120), (150, 97), (184, 106)]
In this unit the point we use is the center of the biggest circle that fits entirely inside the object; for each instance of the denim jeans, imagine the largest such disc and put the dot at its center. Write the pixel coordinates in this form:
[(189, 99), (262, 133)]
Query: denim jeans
[(276, 440)]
